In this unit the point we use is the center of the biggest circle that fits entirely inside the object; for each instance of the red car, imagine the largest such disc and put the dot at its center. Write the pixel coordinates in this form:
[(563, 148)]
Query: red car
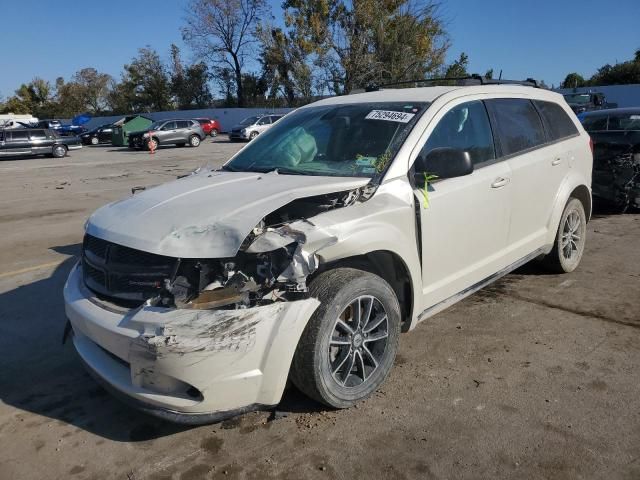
[(210, 127)]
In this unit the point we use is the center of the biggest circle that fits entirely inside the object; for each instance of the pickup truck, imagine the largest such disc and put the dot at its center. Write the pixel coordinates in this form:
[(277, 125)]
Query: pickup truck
[(35, 141)]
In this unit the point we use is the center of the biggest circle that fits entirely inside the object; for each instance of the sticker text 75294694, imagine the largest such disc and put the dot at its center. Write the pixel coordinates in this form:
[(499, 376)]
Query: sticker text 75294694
[(390, 116)]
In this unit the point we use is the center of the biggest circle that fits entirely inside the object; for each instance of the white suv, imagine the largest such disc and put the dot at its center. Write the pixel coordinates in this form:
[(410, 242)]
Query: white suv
[(305, 256)]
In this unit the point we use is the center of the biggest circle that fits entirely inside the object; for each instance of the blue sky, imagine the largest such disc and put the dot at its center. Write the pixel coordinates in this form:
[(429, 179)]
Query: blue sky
[(543, 39)]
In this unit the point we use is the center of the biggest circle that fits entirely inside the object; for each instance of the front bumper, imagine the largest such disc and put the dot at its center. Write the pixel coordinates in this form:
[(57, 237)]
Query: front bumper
[(238, 135), (188, 366)]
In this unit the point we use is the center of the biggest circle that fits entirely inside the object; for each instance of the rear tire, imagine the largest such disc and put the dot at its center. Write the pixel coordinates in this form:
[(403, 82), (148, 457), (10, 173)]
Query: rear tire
[(349, 345), (59, 151), (213, 133), (570, 239), (194, 141), (94, 141)]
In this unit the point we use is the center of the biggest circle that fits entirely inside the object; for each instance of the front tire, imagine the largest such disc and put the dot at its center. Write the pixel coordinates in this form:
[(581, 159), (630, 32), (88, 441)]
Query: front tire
[(253, 135), (94, 141), (194, 141), (570, 239), (349, 345)]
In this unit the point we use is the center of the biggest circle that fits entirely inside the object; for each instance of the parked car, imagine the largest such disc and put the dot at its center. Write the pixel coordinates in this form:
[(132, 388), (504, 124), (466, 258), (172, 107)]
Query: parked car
[(12, 120), (210, 127), (167, 132), (587, 101), (616, 160), (36, 141), (101, 134), (251, 127), (353, 219), (71, 130)]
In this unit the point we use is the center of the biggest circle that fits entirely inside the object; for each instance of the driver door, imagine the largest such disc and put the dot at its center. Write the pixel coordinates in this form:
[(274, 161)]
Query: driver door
[(168, 133), (465, 226)]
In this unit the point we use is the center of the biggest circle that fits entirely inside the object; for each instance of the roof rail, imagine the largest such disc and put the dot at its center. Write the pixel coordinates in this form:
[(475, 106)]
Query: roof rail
[(473, 79)]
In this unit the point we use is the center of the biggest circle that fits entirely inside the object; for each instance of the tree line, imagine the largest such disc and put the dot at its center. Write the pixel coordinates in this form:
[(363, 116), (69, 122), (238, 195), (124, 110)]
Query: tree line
[(624, 73), (325, 47)]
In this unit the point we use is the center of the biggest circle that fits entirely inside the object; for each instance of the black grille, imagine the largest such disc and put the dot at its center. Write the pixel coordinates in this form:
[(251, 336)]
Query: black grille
[(123, 273)]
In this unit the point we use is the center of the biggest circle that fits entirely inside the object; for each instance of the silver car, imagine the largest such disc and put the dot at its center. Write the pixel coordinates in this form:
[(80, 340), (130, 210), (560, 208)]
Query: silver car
[(251, 127), (168, 132)]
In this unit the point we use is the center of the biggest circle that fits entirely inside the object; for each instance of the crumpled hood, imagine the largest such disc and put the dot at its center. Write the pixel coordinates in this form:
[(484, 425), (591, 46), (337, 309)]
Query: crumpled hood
[(205, 215)]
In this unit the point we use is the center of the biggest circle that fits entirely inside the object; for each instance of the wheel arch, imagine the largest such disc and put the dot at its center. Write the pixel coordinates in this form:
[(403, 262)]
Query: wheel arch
[(387, 265), (582, 193)]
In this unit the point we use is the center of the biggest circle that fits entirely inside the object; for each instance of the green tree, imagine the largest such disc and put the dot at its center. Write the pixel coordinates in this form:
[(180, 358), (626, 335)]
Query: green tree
[(144, 85), (368, 41), (34, 97), (459, 67), (190, 85), (223, 32), (573, 80), (284, 68)]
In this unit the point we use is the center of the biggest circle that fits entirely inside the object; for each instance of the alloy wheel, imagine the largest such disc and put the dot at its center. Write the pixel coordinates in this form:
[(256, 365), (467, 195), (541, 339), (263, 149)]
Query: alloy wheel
[(358, 341), (571, 238)]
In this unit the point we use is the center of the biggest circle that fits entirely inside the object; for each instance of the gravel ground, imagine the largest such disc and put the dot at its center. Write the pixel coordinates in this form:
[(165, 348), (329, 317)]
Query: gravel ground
[(533, 377)]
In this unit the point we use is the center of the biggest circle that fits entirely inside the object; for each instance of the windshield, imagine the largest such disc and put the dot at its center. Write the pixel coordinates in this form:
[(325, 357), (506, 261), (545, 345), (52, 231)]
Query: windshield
[(577, 98), (352, 140), (249, 121)]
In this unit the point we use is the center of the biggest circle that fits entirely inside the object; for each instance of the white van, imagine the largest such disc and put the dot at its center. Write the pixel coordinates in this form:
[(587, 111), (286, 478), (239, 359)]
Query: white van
[(19, 120)]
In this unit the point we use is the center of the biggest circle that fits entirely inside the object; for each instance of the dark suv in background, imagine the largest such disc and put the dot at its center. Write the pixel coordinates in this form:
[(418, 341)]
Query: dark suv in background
[(168, 132), (35, 141)]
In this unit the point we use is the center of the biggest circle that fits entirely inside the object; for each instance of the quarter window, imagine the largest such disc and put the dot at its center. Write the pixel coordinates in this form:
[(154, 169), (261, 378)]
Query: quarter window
[(518, 125), (624, 121), (556, 121), (465, 127)]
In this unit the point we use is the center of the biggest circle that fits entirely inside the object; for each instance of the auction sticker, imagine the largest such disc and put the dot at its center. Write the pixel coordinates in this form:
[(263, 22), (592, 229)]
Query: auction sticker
[(390, 116)]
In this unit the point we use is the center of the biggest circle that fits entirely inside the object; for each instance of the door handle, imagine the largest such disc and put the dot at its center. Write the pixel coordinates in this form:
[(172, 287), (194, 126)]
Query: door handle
[(499, 182), (557, 161)]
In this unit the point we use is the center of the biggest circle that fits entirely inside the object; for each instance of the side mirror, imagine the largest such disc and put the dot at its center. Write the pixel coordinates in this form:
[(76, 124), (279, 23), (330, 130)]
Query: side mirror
[(444, 163)]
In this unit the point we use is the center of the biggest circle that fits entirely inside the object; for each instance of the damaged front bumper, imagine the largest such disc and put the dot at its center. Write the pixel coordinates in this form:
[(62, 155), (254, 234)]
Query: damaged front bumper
[(189, 366)]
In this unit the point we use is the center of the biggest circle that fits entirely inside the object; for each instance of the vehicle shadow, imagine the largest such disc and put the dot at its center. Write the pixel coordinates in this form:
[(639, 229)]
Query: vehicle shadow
[(41, 376)]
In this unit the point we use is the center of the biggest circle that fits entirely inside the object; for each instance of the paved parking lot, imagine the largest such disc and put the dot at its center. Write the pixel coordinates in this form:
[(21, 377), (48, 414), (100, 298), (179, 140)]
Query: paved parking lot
[(534, 377)]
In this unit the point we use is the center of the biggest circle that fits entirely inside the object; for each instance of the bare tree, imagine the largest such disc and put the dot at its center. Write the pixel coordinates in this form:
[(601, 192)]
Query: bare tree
[(222, 31)]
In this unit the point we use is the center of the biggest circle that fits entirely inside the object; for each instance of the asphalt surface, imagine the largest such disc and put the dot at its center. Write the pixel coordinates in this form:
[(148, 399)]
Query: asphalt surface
[(533, 377)]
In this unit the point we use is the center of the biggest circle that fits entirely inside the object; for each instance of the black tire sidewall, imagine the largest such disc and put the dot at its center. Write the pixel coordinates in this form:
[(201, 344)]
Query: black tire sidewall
[(59, 148), (358, 283)]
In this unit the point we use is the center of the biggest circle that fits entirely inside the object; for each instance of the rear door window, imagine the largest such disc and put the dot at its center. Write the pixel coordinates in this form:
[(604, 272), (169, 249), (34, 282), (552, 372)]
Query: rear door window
[(595, 123), (517, 124), (556, 121), (464, 127)]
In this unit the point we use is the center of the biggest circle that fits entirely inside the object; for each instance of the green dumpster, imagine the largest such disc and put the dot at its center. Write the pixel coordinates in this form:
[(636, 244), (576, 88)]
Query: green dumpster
[(122, 128)]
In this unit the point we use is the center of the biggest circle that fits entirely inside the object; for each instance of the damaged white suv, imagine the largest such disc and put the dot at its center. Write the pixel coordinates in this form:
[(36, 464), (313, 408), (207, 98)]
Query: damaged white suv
[(306, 254)]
